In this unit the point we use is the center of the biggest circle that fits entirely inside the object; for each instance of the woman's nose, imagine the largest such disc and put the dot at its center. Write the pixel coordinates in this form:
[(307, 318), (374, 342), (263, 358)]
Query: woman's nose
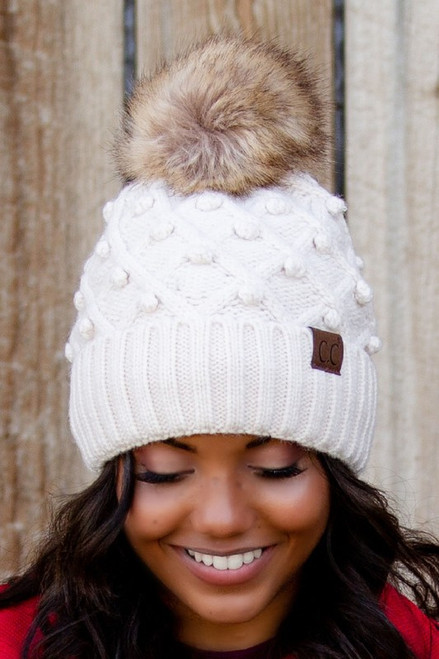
[(223, 508)]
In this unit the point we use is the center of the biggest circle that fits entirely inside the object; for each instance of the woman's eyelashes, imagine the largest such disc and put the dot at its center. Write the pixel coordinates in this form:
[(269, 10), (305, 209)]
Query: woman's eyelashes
[(279, 472), (274, 473), (156, 477)]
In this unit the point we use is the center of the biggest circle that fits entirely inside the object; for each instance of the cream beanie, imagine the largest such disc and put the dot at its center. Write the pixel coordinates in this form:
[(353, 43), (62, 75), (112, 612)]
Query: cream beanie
[(224, 295)]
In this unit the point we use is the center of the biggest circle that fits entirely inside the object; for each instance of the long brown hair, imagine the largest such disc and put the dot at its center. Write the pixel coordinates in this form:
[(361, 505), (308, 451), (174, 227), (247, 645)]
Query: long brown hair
[(98, 600)]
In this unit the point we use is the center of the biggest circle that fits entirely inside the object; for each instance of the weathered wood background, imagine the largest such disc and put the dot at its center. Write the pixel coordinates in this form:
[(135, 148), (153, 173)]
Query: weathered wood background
[(392, 85), (61, 85)]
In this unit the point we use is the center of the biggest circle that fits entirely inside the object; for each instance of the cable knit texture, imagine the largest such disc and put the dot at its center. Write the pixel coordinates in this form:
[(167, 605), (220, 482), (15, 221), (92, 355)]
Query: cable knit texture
[(194, 315)]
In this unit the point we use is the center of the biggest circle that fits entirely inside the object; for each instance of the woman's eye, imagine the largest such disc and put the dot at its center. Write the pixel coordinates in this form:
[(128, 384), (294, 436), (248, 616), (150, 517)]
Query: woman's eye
[(280, 472), (156, 477)]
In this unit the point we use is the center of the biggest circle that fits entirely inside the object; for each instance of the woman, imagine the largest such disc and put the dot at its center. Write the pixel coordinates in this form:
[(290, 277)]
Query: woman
[(222, 384)]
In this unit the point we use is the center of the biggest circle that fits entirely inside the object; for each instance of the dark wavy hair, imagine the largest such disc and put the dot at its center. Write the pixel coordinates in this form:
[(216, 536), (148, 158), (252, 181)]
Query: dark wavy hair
[(98, 600)]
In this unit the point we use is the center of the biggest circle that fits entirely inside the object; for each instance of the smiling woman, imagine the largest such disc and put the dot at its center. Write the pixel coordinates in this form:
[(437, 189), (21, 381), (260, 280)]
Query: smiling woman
[(222, 385), (226, 523)]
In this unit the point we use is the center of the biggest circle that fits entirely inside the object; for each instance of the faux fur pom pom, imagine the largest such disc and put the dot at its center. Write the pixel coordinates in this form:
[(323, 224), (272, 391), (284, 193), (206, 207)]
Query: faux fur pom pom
[(231, 114)]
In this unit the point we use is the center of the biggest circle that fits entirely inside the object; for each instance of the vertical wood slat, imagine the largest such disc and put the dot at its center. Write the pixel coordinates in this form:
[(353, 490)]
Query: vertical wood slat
[(167, 27), (61, 68), (393, 196)]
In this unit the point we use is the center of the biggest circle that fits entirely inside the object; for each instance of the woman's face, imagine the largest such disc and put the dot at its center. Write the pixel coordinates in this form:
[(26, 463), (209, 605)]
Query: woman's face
[(226, 522)]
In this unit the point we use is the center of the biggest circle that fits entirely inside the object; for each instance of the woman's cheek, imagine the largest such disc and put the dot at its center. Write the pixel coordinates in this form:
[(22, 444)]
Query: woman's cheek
[(152, 514), (303, 504)]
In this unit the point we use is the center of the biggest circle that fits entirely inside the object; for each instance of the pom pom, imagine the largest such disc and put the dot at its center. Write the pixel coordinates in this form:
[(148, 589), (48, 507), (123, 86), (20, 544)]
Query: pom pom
[(209, 202), (230, 115), (119, 277), (363, 293), (332, 320), (246, 229), (107, 211), (374, 345), (149, 302), (162, 230), (322, 242), (103, 249), (68, 352), (143, 204), (87, 329), (79, 301), (250, 296), (276, 206), (294, 267), (335, 205)]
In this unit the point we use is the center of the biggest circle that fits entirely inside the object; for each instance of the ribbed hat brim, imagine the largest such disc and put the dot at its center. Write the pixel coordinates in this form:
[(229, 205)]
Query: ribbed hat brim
[(178, 378)]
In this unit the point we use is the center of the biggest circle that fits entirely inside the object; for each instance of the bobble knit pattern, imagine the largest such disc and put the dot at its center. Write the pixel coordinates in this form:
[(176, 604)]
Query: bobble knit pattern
[(194, 316)]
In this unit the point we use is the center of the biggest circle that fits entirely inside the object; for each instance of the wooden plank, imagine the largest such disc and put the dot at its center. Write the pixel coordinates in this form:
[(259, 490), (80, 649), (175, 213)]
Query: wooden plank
[(393, 197), (167, 27), (61, 66)]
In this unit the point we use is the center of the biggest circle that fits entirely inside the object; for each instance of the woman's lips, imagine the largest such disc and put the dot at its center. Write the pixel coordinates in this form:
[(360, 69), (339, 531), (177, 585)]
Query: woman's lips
[(226, 562), (226, 569)]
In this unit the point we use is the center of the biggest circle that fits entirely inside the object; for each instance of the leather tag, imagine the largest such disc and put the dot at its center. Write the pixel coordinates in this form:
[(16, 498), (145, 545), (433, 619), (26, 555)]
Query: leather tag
[(327, 351)]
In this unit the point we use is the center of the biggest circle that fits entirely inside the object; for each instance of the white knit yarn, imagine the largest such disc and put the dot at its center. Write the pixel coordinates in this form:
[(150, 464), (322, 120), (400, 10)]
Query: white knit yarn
[(194, 316)]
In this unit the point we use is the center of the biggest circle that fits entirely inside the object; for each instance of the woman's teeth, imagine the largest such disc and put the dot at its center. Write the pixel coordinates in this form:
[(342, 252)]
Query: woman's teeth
[(233, 562)]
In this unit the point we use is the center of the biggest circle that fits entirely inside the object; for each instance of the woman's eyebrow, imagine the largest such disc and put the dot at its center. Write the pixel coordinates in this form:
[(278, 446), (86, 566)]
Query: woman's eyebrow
[(178, 444), (259, 441)]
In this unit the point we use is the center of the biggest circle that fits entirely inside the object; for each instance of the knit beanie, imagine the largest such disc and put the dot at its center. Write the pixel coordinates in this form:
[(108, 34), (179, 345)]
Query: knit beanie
[(224, 295)]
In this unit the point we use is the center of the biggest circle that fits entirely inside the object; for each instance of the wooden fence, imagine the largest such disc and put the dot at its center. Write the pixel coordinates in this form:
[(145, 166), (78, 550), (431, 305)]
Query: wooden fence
[(61, 72)]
